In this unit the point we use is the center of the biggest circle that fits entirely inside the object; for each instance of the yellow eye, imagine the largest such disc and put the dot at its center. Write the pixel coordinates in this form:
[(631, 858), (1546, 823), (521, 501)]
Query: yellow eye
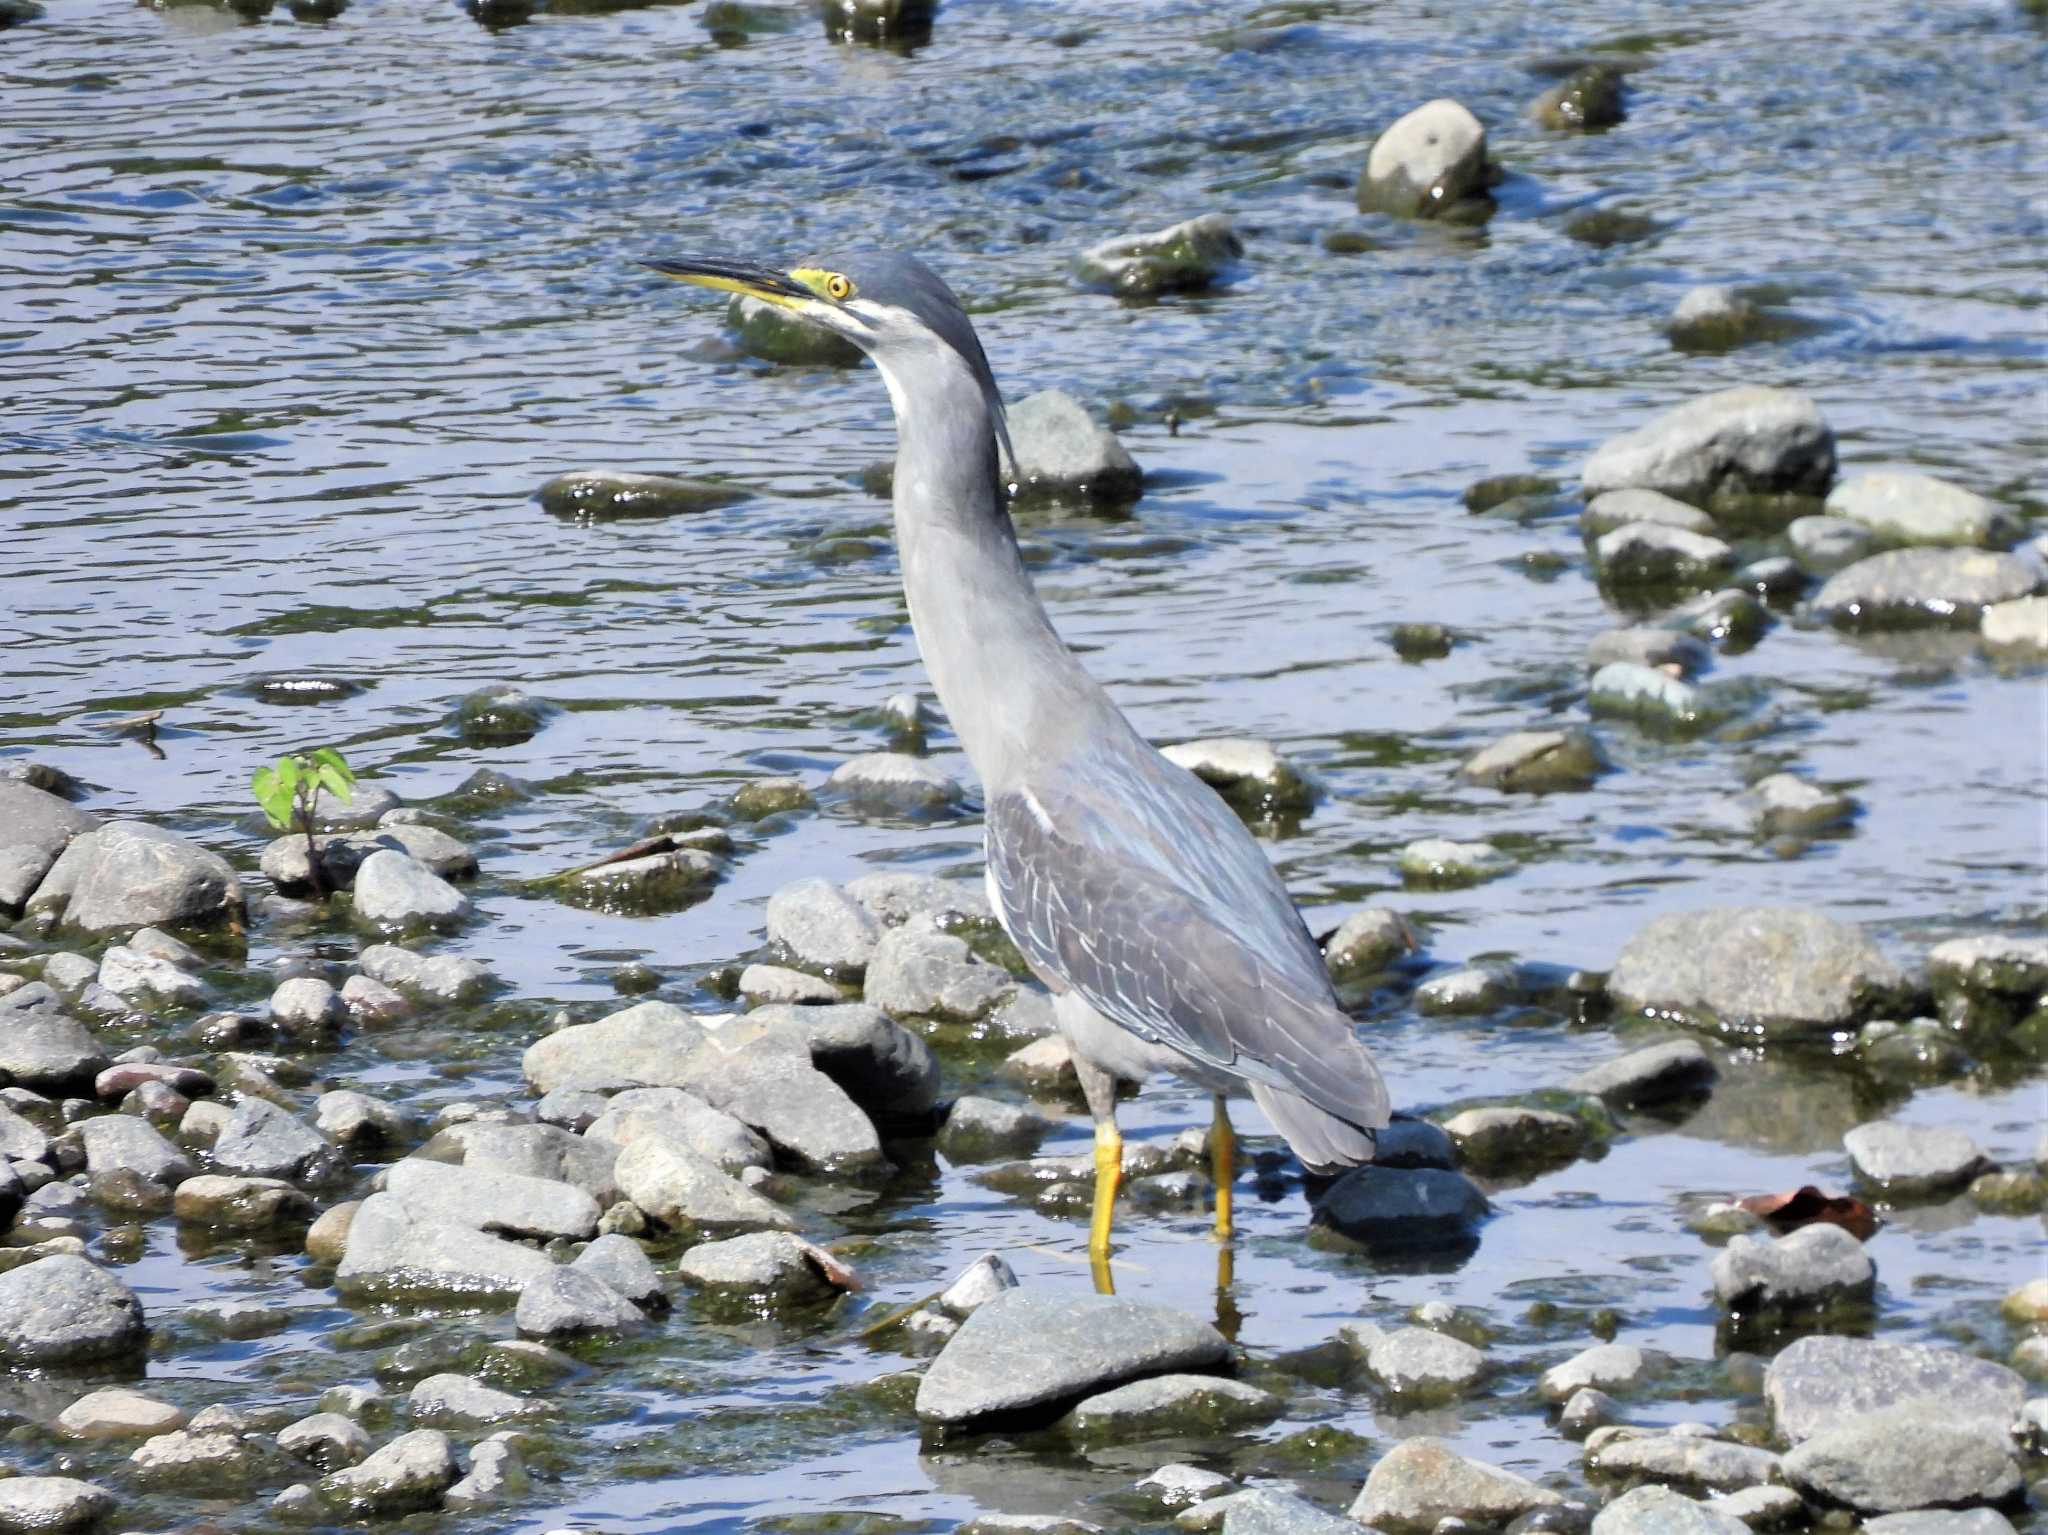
[(838, 288)]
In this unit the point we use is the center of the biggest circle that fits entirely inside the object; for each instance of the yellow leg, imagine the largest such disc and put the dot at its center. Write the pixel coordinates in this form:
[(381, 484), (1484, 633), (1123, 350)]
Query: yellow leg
[(1222, 1167), (1109, 1174)]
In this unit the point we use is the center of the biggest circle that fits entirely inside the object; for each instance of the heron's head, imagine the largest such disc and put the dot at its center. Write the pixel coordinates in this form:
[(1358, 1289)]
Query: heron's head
[(890, 305)]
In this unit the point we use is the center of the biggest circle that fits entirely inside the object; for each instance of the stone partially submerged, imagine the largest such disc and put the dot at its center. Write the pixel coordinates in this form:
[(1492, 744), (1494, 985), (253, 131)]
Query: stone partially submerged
[(1422, 1482), (1906, 587), (608, 495), (1426, 163), (126, 875), (1063, 455), (1186, 257), (1748, 440), (1823, 1380)]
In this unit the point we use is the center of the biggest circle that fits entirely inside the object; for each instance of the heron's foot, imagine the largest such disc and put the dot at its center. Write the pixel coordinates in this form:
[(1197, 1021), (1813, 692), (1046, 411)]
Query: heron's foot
[(1109, 1176), (1223, 1168)]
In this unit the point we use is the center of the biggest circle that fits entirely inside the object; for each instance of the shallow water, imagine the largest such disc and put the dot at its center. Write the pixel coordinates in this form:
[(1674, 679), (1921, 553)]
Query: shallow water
[(294, 318)]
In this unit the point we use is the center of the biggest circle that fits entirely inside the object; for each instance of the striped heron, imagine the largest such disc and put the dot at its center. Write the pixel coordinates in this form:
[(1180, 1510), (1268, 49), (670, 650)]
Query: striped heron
[(1133, 892)]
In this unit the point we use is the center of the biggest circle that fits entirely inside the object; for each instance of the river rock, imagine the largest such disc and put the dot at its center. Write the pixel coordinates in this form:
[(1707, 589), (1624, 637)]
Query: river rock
[(1512, 1138), (124, 875), (506, 1204), (262, 1140), (1426, 162), (1170, 1405), (770, 985), (1367, 943), (979, 1283), (364, 808), (1910, 1161), (118, 1413), (622, 1264), (774, 335), (1813, 1267), (1922, 586), (644, 1046), (605, 495), (49, 1505), (686, 1119), (765, 1080), (895, 781), (1825, 545), (1785, 805), (893, 899), (1467, 990), (1030, 1351), (571, 1302), (1608, 1367), (1992, 964), (1635, 506), (546, 1152), (1745, 440), (1713, 318), (2016, 629), (496, 1474), (1588, 99), (682, 1189), (1651, 554), (1649, 646), (61, 1311), (1062, 455), (1248, 772), (329, 1440), (1764, 971), (1440, 863), (1422, 1481), (35, 829), (1650, 697), (984, 1129), (443, 978), (766, 1268), (407, 1475), (1537, 762), (286, 865), (147, 979), (307, 1008), (240, 1204), (1686, 1460), (1906, 508), (1422, 1364), (1186, 257), (1941, 1521), (121, 1146), (1675, 1070), (394, 1253), (878, 1063), (1821, 1381), (1660, 1511), (920, 972), (465, 1401), (776, 795), (1391, 1209), (396, 892), (1903, 1458), (822, 928), (350, 1118)]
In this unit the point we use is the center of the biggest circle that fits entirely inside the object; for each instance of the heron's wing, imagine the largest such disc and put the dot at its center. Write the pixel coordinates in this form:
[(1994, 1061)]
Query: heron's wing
[(1138, 888)]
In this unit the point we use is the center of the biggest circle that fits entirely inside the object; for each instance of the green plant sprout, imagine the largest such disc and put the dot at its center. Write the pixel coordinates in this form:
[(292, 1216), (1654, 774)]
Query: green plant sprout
[(287, 789)]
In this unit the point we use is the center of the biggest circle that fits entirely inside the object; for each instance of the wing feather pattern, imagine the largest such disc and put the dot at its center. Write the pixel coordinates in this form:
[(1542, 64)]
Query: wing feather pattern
[(1132, 883)]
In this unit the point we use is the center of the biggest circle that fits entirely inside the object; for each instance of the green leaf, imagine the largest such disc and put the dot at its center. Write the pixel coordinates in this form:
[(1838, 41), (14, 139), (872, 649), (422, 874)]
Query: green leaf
[(289, 772), (273, 797), (341, 786), (329, 760)]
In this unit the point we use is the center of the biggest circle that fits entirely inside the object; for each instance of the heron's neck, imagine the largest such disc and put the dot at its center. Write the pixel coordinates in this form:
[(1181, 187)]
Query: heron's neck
[(1012, 690)]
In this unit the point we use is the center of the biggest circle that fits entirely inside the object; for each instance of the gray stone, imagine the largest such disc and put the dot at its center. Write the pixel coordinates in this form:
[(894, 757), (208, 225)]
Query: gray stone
[(35, 829), (1648, 646), (770, 796), (1674, 1070), (680, 1188), (894, 781), (1032, 1350), (146, 979), (20, 1139), (1586, 100), (878, 1063), (769, 985), (1764, 1508), (48, 1505), (465, 1401), (1995, 964), (822, 927), (919, 972), (1409, 1142), (765, 331), (1653, 554), (1825, 545), (506, 1204), (1514, 1138), (405, 1476), (1249, 772), (1420, 1362), (1912, 1160), (1468, 989), (1768, 971), (368, 805), (1063, 455), (1649, 697), (1422, 1481), (394, 1253), (649, 1045), (1660, 1511), (353, 1119), (806, 1116), (1812, 1267), (69, 973), (126, 875), (1711, 318), (1903, 1458), (767, 1268), (1620, 508), (623, 1264), (262, 1140), (117, 1413), (979, 1283), (240, 1204), (286, 865), (396, 892), (893, 899), (1165, 1405), (2017, 629), (1390, 1209), (1367, 942), (49, 1053), (1178, 1485), (1820, 1381), (1186, 257), (1444, 864), (307, 1007), (1685, 1460), (546, 1152), (1744, 440), (1026, 1524), (497, 1474), (122, 1143), (685, 1118), (1537, 762), (1786, 805), (1586, 1410), (1922, 586), (1905, 508), (984, 1129), (567, 1301), (329, 1440), (443, 978), (62, 1311), (1940, 1521), (1426, 162), (1605, 1367)]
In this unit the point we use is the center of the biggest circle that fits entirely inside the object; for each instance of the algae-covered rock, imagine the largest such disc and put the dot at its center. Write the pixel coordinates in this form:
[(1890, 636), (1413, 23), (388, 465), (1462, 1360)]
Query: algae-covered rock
[(1063, 455), (609, 495), (1587, 100), (1426, 163), (1903, 587), (1187, 257), (773, 334)]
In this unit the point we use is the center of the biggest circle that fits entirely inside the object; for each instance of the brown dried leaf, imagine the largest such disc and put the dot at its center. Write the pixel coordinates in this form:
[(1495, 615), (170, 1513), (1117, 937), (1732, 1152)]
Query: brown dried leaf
[(1806, 1204)]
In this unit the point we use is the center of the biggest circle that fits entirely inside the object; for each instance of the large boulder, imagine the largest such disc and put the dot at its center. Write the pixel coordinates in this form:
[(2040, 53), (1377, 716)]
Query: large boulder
[(1761, 971), (1745, 440), (62, 1311), (35, 828), (127, 875)]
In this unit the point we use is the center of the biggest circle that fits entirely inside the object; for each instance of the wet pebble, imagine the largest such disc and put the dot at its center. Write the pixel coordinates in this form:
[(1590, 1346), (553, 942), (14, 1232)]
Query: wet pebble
[(1691, 1461), (261, 1140), (1179, 1485), (63, 1311), (392, 1252), (1537, 762), (894, 781), (979, 1283), (354, 1119), (682, 1117), (1661, 1511), (1908, 1161), (1249, 772), (406, 1475), (1170, 1405), (118, 1413), (1419, 1363), (1904, 587), (1514, 1138), (1635, 506), (609, 494), (1394, 1209), (1785, 804), (1672, 1071), (682, 1189), (441, 978), (1589, 99), (149, 979), (770, 796), (1426, 163), (765, 1268), (464, 1401), (1650, 697), (1991, 964), (1607, 1367), (566, 1301), (1440, 863), (1063, 455), (240, 1204), (766, 985), (623, 1265), (1748, 439), (1466, 990), (329, 1440), (984, 1129), (1586, 1409), (2017, 628), (1900, 507), (1712, 318), (51, 1503), (1654, 554), (1423, 1481), (918, 971), (1367, 942), (1812, 1268)]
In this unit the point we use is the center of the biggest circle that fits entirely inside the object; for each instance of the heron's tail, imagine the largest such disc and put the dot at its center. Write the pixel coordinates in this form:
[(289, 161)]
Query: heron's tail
[(1325, 1142)]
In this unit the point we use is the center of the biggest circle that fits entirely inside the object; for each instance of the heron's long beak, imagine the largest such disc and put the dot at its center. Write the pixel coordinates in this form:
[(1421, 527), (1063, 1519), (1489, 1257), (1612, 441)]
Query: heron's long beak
[(759, 282)]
